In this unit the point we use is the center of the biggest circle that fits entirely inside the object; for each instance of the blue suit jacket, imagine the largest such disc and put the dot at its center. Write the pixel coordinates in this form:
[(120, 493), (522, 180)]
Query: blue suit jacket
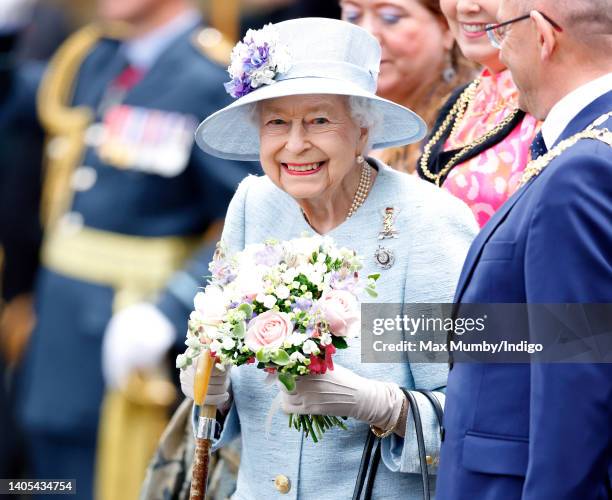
[(540, 431)]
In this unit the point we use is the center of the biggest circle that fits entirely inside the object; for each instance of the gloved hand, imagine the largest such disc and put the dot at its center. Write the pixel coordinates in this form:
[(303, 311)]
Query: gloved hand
[(218, 387), (138, 337), (342, 393), (15, 14)]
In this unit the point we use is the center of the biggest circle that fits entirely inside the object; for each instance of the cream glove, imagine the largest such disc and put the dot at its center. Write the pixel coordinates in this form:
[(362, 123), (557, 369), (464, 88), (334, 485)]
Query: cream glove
[(342, 393), (137, 337), (218, 387)]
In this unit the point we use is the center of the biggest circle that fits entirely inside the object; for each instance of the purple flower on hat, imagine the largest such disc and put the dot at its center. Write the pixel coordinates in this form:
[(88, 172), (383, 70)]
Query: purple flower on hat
[(256, 61)]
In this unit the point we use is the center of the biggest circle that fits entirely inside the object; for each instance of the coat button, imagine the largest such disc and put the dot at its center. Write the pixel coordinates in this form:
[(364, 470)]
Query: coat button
[(282, 484), (429, 459), (58, 147), (84, 178)]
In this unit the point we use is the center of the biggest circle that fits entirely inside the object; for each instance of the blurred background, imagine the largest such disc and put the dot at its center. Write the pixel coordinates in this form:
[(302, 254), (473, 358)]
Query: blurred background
[(243, 13), (30, 34)]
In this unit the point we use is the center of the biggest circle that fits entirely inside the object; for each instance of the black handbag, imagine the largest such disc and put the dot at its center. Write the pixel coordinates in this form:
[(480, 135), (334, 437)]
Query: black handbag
[(370, 462)]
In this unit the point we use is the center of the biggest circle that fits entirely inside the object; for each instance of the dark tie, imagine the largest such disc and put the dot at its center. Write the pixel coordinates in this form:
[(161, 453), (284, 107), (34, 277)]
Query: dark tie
[(538, 147)]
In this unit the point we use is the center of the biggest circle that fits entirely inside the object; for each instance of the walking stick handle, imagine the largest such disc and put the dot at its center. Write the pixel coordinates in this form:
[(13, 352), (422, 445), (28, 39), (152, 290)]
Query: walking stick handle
[(201, 459)]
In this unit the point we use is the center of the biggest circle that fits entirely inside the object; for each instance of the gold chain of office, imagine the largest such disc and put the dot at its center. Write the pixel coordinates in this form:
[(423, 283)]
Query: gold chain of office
[(454, 116), (536, 166)]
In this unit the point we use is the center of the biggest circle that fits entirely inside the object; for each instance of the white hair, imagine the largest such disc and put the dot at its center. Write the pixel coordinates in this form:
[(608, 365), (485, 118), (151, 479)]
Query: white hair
[(365, 115)]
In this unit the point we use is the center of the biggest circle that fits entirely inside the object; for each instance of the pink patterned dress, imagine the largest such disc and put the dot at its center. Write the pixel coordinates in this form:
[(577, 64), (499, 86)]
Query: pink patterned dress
[(486, 181)]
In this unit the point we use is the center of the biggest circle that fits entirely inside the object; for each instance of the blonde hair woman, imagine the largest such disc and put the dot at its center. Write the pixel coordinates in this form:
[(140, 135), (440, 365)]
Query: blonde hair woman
[(420, 61)]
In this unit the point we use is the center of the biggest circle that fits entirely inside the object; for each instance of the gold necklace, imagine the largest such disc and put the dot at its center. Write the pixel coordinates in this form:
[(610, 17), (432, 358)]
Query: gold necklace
[(365, 182), (456, 114), (500, 106), (535, 167), (462, 105)]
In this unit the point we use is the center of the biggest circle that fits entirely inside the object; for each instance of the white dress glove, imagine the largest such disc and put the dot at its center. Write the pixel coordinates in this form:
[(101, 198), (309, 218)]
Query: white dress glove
[(138, 337), (15, 14), (342, 393), (218, 387)]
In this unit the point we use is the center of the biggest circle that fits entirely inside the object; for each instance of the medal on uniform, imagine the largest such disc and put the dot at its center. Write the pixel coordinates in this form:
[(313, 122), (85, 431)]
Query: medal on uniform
[(147, 140)]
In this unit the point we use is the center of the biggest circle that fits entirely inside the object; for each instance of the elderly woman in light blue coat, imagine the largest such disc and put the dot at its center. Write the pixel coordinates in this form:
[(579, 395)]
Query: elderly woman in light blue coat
[(309, 120)]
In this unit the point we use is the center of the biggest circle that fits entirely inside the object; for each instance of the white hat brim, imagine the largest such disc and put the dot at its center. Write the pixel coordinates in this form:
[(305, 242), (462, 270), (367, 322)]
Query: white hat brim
[(233, 134)]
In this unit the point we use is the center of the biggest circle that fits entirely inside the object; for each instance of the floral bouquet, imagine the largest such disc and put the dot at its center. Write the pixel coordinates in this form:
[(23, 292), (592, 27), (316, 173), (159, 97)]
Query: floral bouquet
[(286, 306)]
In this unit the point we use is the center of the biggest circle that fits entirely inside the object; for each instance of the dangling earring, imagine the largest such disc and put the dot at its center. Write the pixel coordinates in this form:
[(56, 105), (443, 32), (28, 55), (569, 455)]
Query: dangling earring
[(449, 73), (360, 159)]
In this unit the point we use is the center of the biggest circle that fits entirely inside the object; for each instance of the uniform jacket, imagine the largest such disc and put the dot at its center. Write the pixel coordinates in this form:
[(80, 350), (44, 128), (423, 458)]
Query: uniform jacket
[(434, 230), (155, 196), (538, 431)]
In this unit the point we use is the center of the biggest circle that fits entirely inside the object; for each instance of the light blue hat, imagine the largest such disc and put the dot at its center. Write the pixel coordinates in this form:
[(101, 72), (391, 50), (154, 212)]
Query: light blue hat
[(296, 57)]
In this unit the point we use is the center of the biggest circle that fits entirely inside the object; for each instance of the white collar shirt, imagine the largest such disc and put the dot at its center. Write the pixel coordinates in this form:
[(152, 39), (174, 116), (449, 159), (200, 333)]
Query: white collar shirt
[(569, 106)]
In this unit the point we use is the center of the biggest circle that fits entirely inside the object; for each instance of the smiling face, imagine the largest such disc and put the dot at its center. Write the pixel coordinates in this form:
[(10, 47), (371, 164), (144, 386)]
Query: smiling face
[(467, 20), (414, 43), (309, 145)]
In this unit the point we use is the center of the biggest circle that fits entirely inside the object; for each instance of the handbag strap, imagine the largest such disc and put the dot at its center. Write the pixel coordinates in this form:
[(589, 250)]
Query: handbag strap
[(365, 465), (368, 468), (373, 469), (418, 425), (435, 402)]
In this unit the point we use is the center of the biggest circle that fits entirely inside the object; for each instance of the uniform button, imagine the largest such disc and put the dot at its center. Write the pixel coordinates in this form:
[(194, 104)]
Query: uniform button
[(71, 222), (95, 135), (282, 484), (84, 178), (429, 459), (57, 147)]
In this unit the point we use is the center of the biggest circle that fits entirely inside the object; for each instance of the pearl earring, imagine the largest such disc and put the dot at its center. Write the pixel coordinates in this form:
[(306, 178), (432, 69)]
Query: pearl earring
[(360, 159)]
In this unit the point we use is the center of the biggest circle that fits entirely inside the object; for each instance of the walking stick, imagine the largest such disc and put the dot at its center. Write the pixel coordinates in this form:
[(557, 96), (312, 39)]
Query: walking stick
[(205, 426)]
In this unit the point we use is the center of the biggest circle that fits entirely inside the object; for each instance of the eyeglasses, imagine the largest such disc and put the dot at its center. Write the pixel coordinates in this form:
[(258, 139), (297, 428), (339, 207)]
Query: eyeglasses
[(497, 32)]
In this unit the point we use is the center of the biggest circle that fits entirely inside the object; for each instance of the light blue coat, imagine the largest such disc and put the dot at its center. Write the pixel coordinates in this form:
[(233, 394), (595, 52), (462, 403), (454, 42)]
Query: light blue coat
[(435, 231)]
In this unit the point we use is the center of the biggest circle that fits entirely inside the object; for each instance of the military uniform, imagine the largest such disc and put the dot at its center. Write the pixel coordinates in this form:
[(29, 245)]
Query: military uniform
[(127, 200)]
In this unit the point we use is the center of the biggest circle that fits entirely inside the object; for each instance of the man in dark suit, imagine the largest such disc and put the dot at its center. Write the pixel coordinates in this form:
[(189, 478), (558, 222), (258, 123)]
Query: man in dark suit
[(543, 431)]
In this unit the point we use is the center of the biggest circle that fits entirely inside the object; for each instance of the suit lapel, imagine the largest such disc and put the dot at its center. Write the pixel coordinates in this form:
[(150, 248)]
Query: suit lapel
[(483, 237), (588, 115)]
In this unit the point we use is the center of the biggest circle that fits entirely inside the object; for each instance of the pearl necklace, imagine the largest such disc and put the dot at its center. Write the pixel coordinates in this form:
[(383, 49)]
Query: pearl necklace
[(365, 182), (363, 188)]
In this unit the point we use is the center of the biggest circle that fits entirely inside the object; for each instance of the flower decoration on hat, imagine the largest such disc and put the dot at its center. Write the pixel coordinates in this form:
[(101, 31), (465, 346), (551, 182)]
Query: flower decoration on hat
[(256, 61)]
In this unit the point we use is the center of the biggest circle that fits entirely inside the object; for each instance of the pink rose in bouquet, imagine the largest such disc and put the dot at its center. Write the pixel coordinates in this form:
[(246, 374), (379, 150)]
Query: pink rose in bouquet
[(268, 330), (341, 311)]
